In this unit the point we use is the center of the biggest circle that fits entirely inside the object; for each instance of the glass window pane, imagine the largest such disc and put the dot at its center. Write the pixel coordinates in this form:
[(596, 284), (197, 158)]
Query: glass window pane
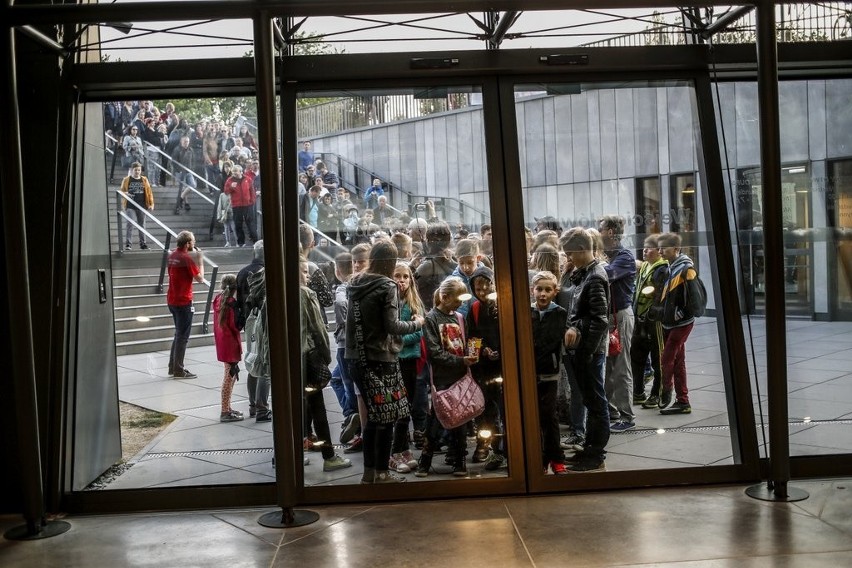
[(394, 207), (186, 415), (594, 158)]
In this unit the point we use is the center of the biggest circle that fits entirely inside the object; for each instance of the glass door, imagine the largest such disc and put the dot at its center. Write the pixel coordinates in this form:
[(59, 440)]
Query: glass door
[(591, 157), (404, 272)]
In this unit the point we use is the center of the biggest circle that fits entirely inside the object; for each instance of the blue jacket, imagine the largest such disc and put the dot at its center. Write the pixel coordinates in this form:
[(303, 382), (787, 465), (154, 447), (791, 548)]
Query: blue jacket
[(621, 272)]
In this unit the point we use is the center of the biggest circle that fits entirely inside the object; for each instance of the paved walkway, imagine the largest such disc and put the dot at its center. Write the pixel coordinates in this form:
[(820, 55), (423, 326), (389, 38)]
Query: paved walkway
[(196, 449)]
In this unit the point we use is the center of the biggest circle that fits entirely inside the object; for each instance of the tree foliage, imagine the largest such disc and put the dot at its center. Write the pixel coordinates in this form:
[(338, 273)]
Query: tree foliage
[(226, 109)]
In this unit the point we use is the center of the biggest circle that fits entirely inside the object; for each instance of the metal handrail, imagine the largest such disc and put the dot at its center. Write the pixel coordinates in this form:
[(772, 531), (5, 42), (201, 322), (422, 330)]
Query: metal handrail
[(205, 324), (148, 145)]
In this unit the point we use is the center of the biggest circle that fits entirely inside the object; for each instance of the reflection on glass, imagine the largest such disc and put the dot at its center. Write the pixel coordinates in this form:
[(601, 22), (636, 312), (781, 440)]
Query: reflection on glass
[(594, 160), (395, 232)]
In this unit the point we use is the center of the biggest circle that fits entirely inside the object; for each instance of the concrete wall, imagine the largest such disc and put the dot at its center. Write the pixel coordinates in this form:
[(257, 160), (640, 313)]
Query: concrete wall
[(580, 154)]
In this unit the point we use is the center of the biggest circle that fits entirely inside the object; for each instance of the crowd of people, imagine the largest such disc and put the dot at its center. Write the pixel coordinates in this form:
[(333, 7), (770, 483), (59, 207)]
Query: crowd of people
[(217, 158), (416, 311)]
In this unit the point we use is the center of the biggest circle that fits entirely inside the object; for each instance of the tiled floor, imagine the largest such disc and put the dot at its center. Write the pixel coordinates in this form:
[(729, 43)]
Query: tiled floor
[(710, 527), (198, 449)]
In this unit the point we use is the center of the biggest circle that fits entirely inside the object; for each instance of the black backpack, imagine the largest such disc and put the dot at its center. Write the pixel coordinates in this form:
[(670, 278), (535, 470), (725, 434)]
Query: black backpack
[(696, 296)]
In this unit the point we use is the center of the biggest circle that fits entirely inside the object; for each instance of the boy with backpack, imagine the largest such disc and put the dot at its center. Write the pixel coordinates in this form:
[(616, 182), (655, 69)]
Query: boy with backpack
[(683, 299)]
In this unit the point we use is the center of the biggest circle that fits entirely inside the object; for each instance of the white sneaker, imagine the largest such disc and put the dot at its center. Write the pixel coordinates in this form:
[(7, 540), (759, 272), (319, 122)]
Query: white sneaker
[(398, 463), (335, 463)]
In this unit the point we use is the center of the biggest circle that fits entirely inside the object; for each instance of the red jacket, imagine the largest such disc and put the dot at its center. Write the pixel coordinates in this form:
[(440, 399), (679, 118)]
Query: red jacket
[(241, 190), (229, 346)]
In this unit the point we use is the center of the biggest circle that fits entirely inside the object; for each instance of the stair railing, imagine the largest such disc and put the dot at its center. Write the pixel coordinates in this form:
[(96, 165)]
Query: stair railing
[(211, 284)]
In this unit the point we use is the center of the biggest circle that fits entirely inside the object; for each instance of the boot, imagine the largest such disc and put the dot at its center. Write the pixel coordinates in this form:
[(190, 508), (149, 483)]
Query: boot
[(369, 476), (419, 439), (424, 464), (460, 465)]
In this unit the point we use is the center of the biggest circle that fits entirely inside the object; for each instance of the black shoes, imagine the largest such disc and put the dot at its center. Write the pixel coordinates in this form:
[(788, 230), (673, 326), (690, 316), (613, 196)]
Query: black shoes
[(143, 246), (424, 464), (666, 398), (185, 374), (263, 416), (677, 408)]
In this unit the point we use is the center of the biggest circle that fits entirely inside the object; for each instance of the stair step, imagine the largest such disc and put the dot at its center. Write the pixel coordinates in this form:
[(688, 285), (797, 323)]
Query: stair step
[(154, 333), (152, 345)]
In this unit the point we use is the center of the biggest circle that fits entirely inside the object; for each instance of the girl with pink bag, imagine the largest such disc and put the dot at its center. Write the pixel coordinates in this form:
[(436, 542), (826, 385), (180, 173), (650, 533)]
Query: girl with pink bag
[(444, 332)]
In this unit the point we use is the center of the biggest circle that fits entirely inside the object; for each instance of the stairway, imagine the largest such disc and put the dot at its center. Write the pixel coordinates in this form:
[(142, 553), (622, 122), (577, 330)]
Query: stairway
[(143, 323), (197, 219)]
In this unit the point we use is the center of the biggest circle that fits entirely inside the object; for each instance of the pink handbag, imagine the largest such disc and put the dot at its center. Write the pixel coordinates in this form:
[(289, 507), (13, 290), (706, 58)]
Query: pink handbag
[(461, 402)]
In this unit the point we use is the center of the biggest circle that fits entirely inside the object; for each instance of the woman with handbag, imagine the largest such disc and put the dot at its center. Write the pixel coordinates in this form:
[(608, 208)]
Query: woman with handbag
[(445, 345), (373, 340), (316, 356)]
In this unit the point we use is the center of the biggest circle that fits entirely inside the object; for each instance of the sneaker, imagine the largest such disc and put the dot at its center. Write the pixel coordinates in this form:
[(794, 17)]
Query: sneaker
[(387, 477), (355, 447), (578, 456), (587, 465), (573, 443), (310, 444), (143, 246), (494, 461), (398, 464), (639, 398), (665, 398), (350, 428), (424, 464), (460, 467), (185, 374), (410, 461), (677, 408), (264, 416), (128, 246), (622, 426), (652, 402), (306, 461), (186, 206), (558, 468), (336, 462), (230, 416), (252, 411), (480, 454)]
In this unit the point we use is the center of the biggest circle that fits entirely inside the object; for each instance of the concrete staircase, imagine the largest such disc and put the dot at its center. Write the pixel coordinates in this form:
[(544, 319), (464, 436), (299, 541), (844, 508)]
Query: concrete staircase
[(197, 219), (143, 323)]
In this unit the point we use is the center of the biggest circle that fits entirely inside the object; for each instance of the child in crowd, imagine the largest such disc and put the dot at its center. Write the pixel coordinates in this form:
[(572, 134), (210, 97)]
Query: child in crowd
[(360, 261), (409, 306), (342, 384), (316, 356), (548, 327), (586, 337), (444, 334), (482, 323), (467, 255), (225, 215), (229, 347)]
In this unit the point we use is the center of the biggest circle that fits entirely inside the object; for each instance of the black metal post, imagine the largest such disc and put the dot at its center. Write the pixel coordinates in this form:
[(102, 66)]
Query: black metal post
[(283, 435), (25, 407), (773, 245), (163, 263)]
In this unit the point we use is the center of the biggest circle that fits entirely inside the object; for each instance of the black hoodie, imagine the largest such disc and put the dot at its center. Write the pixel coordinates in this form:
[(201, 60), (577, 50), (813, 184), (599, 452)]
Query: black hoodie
[(481, 321), (375, 300)]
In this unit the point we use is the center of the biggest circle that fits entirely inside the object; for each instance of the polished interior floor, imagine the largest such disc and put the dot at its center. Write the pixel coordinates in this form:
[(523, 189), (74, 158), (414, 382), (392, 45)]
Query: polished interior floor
[(679, 527)]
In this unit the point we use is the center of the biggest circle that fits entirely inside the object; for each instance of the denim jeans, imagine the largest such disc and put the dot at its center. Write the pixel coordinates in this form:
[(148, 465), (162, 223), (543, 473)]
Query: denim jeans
[(140, 220), (342, 385), (182, 316), (589, 371)]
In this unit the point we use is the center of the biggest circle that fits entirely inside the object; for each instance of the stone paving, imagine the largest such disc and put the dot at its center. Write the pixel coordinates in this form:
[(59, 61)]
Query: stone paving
[(196, 449)]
